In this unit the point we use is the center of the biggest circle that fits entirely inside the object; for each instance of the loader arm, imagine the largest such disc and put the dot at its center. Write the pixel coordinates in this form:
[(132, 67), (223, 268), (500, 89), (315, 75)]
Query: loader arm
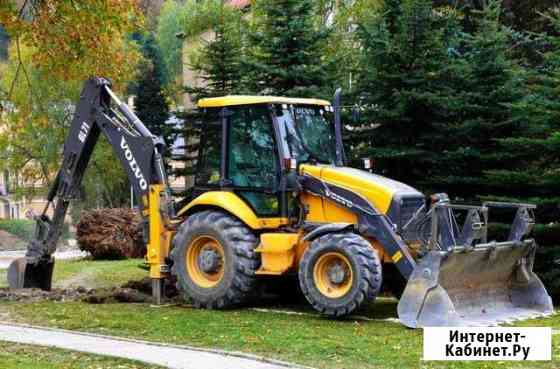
[(140, 153)]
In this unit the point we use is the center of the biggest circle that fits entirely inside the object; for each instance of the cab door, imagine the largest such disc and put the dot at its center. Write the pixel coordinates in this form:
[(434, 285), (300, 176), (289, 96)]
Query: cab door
[(253, 166)]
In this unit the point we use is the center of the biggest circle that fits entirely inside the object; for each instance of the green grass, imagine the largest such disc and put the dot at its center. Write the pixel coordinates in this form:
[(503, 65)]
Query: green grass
[(305, 339), (97, 274), (92, 274), (15, 356), (25, 229), (3, 280)]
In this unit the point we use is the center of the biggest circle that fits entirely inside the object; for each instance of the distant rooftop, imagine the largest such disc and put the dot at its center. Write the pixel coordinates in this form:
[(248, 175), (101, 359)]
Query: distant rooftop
[(239, 4)]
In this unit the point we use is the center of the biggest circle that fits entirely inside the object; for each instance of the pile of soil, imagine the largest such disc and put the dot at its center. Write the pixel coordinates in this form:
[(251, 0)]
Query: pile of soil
[(111, 234), (131, 292), (33, 294), (9, 242), (145, 286)]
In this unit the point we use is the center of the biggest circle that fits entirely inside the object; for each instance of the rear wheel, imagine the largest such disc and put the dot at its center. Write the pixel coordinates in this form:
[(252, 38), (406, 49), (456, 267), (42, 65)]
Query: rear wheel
[(214, 260), (339, 273)]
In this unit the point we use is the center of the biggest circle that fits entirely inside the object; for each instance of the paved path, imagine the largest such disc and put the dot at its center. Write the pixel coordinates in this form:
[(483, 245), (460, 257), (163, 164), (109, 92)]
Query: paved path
[(6, 257), (170, 356)]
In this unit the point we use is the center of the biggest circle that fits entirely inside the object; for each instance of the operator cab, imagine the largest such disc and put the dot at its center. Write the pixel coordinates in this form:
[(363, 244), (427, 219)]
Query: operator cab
[(247, 141)]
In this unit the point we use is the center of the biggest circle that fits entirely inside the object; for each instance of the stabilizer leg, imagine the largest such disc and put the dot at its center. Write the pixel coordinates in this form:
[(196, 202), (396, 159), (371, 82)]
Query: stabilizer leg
[(157, 290)]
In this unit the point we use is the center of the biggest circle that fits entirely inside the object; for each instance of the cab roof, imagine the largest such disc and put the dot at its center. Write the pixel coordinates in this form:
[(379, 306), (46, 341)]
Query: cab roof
[(232, 100)]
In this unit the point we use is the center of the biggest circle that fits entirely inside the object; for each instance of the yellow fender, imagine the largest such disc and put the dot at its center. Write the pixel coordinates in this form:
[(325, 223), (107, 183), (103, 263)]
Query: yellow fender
[(234, 205)]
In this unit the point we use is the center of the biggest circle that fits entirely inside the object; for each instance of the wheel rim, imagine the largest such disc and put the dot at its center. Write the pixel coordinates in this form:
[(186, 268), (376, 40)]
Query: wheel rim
[(333, 275), (205, 261)]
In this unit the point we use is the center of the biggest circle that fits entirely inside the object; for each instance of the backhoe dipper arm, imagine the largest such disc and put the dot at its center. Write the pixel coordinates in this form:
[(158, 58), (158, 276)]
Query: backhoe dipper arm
[(139, 151)]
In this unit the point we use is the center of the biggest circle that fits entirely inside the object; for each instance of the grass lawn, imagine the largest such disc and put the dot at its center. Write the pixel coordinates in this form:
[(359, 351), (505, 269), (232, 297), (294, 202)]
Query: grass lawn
[(92, 274), (3, 281), (305, 339), (302, 337), (96, 274), (15, 356)]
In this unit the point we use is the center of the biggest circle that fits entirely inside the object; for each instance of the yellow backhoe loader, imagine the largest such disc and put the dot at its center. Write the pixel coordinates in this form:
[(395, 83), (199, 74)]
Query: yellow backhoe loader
[(272, 196)]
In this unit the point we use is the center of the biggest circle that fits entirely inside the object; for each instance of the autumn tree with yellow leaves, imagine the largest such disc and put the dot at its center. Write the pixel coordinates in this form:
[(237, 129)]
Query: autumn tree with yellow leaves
[(55, 45)]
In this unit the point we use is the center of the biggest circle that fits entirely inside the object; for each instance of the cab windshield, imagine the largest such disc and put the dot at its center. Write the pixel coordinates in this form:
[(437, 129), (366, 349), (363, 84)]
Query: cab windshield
[(307, 133)]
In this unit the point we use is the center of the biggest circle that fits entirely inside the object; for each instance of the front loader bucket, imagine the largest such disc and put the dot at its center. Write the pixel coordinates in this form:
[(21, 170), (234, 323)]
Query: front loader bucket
[(481, 286), (24, 274)]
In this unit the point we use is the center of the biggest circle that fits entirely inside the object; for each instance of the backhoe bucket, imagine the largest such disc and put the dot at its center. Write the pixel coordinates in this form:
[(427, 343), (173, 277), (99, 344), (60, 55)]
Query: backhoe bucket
[(477, 286), (25, 274)]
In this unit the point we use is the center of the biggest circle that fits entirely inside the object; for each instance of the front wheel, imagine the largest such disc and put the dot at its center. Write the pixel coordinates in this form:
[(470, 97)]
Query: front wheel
[(339, 273)]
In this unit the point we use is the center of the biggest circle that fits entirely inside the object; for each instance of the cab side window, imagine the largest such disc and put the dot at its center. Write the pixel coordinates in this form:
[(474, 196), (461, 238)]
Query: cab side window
[(208, 173)]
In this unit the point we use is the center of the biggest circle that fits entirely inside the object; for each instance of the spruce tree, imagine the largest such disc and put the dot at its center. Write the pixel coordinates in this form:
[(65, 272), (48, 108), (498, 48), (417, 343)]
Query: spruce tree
[(219, 62), (534, 153), (403, 89), (437, 98), (286, 50), (488, 81), (451, 109), (219, 67), (151, 104), (535, 148)]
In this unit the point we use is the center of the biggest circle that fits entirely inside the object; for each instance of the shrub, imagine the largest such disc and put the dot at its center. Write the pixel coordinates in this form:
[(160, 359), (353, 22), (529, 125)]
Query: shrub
[(22, 228)]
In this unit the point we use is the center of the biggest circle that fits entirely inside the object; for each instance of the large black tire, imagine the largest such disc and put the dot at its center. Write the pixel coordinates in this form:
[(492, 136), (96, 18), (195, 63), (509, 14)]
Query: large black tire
[(365, 267), (240, 262)]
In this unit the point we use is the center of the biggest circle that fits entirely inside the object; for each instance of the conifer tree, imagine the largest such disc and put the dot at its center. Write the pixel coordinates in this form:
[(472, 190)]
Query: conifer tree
[(451, 109), (151, 104), (488, 81), (285, 49), (533, 174), (535, 149), (402, 85), (219, 63), (218, 66)]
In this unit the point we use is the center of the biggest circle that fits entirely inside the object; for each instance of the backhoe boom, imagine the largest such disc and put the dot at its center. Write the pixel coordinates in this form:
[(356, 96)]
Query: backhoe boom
[(140, 153)]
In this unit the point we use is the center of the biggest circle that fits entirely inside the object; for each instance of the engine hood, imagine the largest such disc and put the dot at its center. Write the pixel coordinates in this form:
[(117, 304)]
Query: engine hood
[(378, 190)]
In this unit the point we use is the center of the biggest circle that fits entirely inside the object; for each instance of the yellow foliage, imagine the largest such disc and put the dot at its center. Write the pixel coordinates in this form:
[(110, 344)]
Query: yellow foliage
[(55, 46), (77, 39)]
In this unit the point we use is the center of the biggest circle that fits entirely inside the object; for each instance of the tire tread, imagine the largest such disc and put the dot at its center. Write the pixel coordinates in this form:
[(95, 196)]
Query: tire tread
[(246, 262), (366, 259)]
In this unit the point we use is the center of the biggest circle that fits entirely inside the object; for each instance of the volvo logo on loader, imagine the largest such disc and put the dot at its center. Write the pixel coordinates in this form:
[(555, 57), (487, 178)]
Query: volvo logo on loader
[(333, 196), (133, 164)]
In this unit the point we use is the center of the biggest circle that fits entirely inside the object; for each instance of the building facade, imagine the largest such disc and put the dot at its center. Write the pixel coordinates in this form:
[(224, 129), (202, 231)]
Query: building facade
[(10, 206)]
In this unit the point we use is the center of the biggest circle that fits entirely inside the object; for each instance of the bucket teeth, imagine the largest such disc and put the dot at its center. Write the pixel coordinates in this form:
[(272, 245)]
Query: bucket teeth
[(486, 286)]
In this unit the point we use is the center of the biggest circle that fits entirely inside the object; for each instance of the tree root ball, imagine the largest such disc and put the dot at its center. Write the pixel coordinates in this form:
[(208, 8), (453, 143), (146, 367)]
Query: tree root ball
[(111, 234)]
